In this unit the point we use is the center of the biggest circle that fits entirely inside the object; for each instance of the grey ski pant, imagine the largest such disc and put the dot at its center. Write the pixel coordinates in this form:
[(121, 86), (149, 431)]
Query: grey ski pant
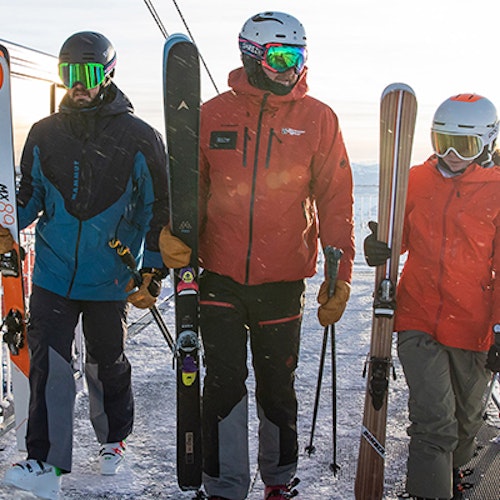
[(50, 335), (270, 316), (446, 386)]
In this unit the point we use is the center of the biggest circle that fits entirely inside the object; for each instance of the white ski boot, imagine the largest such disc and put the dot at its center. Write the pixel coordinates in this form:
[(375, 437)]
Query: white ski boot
[(110, 457), (40, 478)]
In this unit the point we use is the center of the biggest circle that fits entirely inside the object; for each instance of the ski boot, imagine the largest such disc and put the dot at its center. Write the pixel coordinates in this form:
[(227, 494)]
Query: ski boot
[(281, 491), (40, 478), (111, 457)]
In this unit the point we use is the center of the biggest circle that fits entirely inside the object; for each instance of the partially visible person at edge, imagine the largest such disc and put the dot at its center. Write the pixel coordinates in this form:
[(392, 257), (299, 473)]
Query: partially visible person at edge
[(275, 175), (92, 173), (448, 304)]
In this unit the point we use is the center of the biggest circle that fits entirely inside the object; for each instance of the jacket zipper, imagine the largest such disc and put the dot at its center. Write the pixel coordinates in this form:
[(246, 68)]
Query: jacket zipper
[(254, 182), (77, 246)]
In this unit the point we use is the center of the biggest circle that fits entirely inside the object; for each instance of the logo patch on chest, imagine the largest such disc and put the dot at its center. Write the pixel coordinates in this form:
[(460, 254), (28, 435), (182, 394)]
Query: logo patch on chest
[(223, 140), (292, 131)]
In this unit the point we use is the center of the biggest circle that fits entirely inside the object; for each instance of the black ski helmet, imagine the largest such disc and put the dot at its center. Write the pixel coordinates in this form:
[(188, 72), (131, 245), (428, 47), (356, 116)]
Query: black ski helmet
[(89, 47)]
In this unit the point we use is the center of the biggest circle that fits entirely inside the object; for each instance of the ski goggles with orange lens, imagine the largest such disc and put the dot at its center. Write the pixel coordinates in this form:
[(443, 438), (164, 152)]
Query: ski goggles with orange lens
[(90, 75), (279, 58), (466, 147)]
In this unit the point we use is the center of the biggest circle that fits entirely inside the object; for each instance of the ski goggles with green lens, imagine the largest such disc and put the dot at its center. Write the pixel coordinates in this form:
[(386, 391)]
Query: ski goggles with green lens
[(90, 75), (279, 58), (466, 147), (275, 57)]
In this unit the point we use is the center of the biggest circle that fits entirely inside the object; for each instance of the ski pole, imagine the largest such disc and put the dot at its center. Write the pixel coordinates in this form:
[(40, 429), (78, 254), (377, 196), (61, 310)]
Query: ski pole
[(311, 448), (129, 260), (332, 256)]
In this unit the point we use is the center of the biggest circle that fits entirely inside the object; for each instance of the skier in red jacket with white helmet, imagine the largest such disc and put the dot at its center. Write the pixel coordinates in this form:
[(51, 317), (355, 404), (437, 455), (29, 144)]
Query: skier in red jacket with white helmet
[(448, 306), (275, 176)]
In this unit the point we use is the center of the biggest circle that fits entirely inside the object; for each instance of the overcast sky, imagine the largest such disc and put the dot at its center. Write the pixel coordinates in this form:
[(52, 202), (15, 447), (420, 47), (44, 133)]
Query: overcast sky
[(356, 48)]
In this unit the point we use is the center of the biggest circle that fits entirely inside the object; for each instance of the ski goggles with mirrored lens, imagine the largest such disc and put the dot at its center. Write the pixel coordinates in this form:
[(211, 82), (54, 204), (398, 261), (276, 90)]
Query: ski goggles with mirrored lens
[(90, 75), (279, 58), (466, 147)]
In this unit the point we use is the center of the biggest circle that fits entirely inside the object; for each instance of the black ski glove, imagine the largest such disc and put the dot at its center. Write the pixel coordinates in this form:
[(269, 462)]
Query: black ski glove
[(376, 252), (493, 360)]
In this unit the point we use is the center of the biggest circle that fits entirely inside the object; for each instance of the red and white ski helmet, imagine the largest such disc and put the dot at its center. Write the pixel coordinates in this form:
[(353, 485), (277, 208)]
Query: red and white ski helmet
[(467, 115)]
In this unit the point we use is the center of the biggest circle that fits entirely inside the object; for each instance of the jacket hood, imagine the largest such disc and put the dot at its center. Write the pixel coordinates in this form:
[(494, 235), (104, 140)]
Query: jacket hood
[(238, 81)]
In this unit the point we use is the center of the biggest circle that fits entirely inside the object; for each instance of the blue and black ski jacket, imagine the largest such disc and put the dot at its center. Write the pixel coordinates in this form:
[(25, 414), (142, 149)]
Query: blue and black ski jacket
[(88, 176)]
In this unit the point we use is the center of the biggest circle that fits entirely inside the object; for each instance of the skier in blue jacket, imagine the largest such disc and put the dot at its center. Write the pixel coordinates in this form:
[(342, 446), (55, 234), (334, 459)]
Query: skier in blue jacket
[(93, 173)]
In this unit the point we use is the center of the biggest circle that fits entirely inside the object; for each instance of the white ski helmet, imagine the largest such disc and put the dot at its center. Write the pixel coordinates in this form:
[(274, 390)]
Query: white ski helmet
[(274, 27), (275, 41), (465, 123)]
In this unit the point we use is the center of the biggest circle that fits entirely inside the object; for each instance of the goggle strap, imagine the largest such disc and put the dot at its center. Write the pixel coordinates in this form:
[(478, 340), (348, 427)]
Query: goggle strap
[(252, 49)]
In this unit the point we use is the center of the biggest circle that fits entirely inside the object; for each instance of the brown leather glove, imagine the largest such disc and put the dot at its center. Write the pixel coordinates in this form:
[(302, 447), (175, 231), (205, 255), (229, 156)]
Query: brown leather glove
[(332, 308), (174, 252), (6, 240), (150, 288)]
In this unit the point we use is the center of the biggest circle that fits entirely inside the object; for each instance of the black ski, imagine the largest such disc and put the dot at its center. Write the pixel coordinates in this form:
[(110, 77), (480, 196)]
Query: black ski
[(181, 74)]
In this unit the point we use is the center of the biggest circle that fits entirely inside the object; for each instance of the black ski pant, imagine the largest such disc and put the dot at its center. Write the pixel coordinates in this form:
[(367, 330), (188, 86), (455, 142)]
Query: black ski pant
[(51, 330), (270, 316)]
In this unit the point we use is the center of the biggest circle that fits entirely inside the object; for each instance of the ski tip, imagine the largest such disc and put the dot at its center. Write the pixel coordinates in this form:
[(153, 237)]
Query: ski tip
[(173, 40), (176, 38), (397, 87)]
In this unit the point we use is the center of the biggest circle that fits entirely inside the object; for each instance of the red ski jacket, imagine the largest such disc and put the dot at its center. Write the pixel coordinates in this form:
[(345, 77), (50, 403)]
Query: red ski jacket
[(272, 167), (452, 235)]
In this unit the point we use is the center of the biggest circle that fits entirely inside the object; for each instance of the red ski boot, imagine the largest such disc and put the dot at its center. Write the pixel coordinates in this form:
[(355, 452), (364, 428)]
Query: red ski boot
[(281, 491)]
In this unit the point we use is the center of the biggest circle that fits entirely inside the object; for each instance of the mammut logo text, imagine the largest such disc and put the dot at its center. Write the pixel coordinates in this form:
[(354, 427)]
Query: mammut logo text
[(76, 179)]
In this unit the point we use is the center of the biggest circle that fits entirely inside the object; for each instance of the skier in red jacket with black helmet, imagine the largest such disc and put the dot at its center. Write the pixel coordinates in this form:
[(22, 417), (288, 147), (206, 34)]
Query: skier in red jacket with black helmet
[(275, 176)]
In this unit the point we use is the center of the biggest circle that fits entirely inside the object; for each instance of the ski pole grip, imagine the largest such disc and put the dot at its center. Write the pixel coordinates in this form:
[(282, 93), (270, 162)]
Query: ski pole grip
[(127, 258), (332, 256)]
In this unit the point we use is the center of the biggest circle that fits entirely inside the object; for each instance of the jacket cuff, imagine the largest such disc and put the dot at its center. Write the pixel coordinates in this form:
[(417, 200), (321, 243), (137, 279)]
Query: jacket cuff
[(152, 259)]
